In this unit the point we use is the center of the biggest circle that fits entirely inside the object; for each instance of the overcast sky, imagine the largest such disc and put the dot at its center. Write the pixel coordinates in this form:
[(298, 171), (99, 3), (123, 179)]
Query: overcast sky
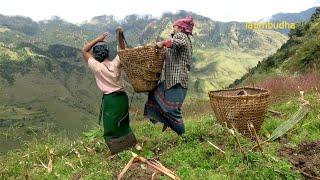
[(222, 10)]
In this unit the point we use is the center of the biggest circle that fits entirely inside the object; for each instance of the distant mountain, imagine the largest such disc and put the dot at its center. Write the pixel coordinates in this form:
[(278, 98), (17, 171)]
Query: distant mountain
[(302, 16), (299, 55)]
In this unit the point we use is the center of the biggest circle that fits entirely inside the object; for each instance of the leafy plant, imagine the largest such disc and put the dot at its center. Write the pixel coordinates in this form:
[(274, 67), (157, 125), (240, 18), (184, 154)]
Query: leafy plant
[(287, 125)]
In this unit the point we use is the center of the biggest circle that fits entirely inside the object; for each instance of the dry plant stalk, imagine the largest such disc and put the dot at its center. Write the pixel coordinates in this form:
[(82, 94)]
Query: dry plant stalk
[(317, 92), (50, 159), (25, 171), (88, 149), (69, 164), (153, 175), (309, 176), (238, 142), (125, 169), (159, 168), (78, 155), (275, 113), (216, 147), (42, 163), (50, 166), (156, 166), (159, 164), (28, 155), (257, 139)]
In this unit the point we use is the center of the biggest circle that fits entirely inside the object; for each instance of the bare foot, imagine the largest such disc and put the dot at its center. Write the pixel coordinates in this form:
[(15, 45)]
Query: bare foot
[(138, 146), (114, 157)]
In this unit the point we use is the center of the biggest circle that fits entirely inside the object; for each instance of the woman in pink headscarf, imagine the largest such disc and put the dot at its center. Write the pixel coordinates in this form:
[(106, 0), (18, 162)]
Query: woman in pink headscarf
[(164, 104)]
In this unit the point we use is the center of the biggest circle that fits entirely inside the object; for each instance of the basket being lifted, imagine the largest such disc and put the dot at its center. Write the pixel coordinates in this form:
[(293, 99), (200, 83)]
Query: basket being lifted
[(143, 66), (238, 107)]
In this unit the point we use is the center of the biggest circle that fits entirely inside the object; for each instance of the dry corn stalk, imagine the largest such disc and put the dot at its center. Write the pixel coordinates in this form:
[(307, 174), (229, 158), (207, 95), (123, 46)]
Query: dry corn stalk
[(73, 145), (275, 113), (257, 139), (125, 169), (42, 163), (216, 147), (309, 176), (159, 168), (238, 142), (154, 165), (25, 171), (88, 149), (67, 163), (28, 155), (50, 155), (153, 175), (50, 165), (78, 155)]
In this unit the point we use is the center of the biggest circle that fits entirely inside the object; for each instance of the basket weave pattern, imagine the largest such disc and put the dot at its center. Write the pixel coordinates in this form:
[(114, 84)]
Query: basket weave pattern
[(239, 110), (143, 66)]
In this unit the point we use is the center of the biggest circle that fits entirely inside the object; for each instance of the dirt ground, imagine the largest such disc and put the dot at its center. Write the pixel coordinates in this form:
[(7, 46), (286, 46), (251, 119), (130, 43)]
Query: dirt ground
[(136, 172), (306, 157)]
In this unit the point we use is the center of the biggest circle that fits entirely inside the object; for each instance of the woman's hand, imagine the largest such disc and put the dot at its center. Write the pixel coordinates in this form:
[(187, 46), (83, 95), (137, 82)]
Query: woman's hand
[(102, 37), (119, 29), (160, 44), (167, 43), (87, 47)]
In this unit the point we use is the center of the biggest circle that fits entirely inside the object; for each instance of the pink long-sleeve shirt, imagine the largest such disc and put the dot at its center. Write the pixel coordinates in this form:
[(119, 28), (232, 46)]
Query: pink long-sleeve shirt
[(107, 74)]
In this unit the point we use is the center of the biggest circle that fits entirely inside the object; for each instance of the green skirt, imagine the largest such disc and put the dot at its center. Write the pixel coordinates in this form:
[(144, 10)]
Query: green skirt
[(117, 132)]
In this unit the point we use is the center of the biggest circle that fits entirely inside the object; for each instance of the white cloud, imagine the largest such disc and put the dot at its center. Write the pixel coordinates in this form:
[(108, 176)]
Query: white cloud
[(223, 10)]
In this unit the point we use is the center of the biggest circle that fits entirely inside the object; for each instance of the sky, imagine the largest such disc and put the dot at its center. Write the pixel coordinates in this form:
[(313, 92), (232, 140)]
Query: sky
[(222, 10)]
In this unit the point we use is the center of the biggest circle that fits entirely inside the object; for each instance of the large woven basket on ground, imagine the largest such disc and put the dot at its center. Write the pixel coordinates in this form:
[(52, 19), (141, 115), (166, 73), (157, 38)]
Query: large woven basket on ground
[(238, 107), (143, 66)]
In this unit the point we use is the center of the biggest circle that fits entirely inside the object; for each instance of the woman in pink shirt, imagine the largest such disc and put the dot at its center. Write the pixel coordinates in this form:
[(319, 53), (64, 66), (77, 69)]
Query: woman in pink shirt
[(115, 105)]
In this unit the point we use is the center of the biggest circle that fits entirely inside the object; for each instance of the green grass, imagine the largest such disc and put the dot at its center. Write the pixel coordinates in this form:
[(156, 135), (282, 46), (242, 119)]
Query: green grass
[(216, 68), (189, 156)]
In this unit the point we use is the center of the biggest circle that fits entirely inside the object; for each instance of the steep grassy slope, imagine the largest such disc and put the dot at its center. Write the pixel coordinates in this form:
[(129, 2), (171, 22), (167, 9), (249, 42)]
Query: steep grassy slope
[(299, 55), (189, 156)]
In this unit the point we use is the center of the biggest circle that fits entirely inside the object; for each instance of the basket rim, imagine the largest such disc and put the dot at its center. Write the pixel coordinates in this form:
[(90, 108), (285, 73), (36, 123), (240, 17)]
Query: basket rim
[(266, 92), (140, 47)]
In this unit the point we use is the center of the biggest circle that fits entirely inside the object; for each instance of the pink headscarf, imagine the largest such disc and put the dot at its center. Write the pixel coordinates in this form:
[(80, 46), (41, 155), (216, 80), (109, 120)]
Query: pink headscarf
[(186, 24)]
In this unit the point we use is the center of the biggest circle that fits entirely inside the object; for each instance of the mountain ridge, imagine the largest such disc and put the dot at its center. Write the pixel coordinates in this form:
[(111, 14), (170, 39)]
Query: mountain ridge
[(298, 56), (302, 16)]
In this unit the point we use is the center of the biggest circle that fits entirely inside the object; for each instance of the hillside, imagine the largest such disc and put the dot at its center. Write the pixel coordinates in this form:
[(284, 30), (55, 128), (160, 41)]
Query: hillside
[(41, 66), (299, 55), (189, 156), (222, 51), (47, 94), (215, 43)]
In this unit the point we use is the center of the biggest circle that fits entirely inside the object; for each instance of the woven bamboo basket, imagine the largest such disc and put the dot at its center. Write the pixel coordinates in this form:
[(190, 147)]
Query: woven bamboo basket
[(238, 107), (143, 66)]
